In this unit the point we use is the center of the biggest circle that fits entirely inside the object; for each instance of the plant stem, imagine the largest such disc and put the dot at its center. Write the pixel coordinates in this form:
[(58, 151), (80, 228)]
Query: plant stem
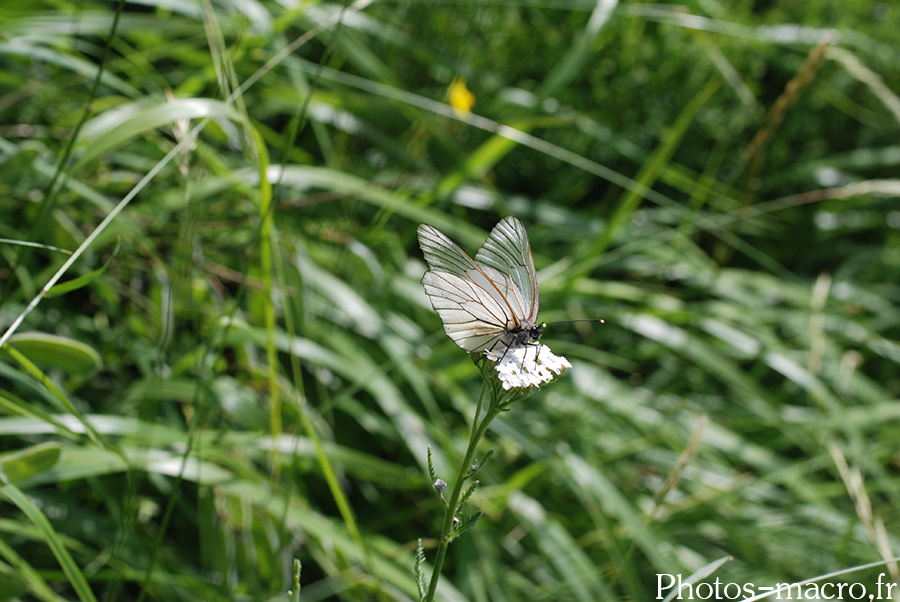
[(478, 430)]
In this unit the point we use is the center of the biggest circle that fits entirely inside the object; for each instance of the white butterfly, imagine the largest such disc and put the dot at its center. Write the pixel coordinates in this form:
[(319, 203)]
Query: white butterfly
[(487, 302)]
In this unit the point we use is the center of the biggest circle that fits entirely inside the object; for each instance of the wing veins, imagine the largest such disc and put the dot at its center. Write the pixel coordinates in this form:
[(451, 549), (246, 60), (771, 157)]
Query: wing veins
[(472, 297), (515, 318), (481, 303)]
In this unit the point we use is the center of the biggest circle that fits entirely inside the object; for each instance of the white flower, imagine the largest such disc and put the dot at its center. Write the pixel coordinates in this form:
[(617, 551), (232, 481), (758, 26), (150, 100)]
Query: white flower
[(527, 366)]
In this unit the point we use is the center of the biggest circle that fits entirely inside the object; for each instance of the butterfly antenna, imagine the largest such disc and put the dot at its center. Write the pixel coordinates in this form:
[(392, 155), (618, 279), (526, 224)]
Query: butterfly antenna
[(544, 324)]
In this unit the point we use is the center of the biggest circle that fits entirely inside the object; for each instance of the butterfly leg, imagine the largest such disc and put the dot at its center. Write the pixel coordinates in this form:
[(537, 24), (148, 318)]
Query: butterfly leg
[(505, 351)]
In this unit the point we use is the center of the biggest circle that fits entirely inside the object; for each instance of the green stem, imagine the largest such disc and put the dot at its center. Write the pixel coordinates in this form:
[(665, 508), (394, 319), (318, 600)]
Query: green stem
[(478, 430)]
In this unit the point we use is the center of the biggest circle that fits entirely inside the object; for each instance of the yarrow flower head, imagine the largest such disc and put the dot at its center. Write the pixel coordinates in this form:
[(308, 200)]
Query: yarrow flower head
[(527, 366)]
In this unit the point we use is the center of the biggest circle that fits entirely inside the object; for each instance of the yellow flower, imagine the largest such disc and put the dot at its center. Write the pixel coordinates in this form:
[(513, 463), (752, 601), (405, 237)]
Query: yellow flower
[(461, 99)]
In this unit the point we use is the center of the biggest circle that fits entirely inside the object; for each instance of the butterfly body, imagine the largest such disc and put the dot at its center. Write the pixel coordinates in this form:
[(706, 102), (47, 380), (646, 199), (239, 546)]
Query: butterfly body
[(489, 301)]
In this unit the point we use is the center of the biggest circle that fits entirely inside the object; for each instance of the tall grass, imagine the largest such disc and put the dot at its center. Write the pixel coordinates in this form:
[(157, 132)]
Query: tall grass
[(238, 366)]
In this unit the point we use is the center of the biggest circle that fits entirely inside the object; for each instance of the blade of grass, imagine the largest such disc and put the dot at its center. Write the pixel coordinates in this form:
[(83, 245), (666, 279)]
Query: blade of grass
[(76, 578)]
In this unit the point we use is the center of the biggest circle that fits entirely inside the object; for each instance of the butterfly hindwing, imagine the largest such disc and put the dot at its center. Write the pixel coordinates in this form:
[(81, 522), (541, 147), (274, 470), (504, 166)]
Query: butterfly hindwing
[(471, 317)]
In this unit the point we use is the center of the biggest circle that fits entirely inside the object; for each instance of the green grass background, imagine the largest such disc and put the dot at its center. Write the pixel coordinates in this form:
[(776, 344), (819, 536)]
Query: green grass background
[(240, 366)]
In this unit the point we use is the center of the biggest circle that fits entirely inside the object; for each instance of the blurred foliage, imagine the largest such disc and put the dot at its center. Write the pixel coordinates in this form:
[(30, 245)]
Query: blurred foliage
[(241, 367)]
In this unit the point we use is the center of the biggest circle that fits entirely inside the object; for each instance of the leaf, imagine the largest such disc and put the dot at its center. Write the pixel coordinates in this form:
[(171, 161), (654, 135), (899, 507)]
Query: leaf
[(53, 540), (26, 462), (48, 350), (117, 126), (420, 574), (465, 525), (82, 281)]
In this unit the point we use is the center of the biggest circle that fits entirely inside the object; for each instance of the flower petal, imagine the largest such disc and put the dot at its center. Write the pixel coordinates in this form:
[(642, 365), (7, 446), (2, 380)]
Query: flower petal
[(527, 366)]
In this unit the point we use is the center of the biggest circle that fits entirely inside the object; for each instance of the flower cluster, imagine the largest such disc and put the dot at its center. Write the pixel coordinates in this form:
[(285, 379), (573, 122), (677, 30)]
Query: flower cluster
[(528, 366)]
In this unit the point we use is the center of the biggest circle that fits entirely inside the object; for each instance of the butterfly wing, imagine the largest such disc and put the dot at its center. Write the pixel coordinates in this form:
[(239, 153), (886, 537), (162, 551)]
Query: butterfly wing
[(507, 252), (471, 303)]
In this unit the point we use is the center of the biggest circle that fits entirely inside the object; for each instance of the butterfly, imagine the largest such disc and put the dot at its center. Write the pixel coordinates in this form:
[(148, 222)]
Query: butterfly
[(487, 302)]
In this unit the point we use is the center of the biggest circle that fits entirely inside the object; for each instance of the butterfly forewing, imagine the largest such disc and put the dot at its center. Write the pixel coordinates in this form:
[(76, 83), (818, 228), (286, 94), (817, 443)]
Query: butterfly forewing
[(441, 253), (508, 251), (472, 310), (487, 301)]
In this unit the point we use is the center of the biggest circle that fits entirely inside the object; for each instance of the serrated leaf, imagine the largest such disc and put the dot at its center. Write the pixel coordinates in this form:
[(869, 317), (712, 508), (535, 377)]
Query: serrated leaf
[(465, 525)]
